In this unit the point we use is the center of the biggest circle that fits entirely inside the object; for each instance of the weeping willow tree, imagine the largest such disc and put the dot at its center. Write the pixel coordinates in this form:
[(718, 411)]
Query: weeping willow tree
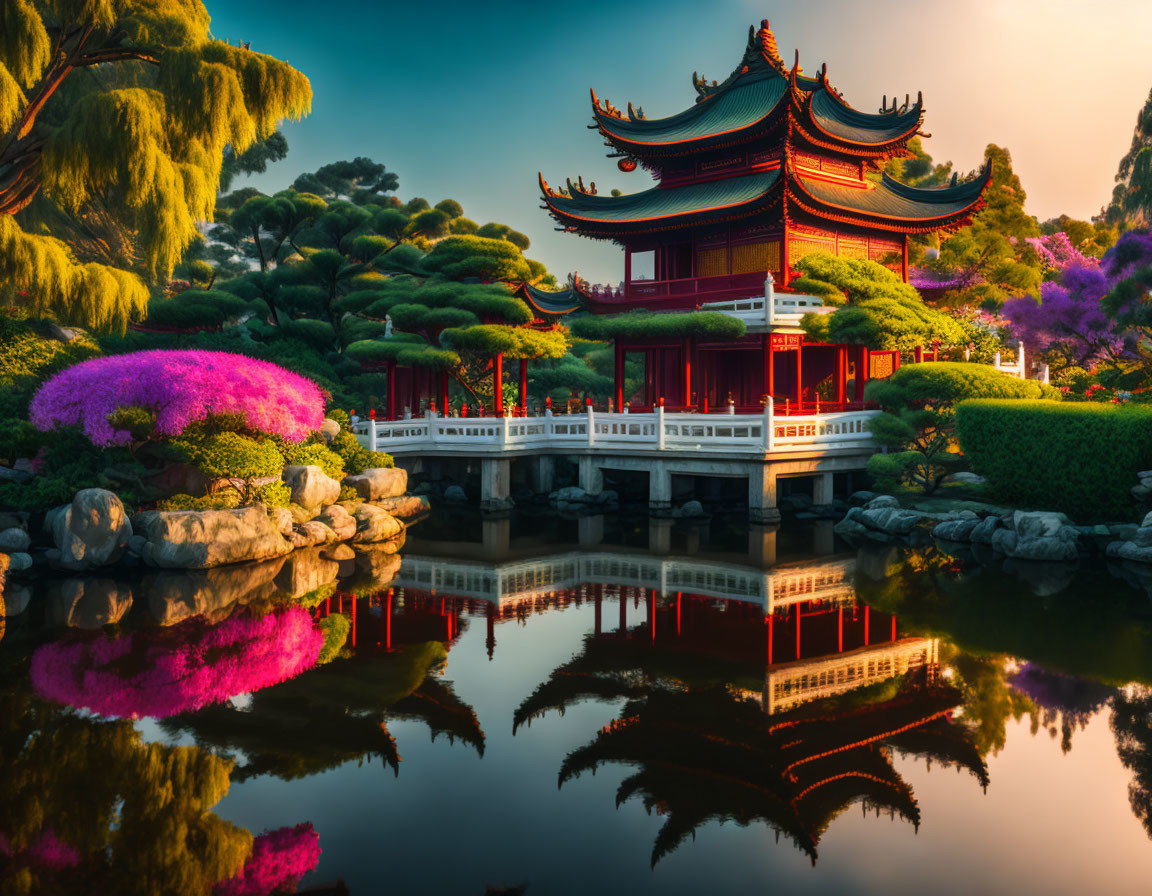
[(115, 116)]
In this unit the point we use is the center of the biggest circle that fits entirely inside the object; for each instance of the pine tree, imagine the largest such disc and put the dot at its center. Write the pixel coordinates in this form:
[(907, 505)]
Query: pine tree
[(1132, 196), (104, 179)]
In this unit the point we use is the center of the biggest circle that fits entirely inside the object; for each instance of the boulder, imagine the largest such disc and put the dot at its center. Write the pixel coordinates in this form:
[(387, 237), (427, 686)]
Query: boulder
[(19, 562), (377, 483), (882, 501), (91, 532), (375, 569), (311, 487), (87, 603), (374, 525), (888, 519), (404, 507), (14, 540), (454, 494), (9, 474), (202, 539), (982, 533), (175, 596), (956, 530), (313, 533), (690, 510), (282, 519), (1038, 523), (339, 520), (966, 478), (861, 498), (330, 428), (849, 526), (571, 494)]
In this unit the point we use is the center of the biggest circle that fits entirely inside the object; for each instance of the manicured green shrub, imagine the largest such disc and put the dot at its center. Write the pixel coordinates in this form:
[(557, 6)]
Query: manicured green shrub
[(356, 457), (316, 454), (1081, 459), (919, 424), (225, 499), (642, 326), (336, 627), (274, 494)]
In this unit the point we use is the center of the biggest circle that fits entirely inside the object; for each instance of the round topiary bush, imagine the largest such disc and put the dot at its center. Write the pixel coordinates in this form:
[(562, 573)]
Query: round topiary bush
[(180, 387)]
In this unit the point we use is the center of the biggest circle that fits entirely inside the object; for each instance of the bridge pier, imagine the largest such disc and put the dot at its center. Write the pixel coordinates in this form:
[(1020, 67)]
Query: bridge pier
[(822, 489), (496, 537), (543, 474), (659, 489), (660, 536), (495, 484), (762, 545), (591, 476), (762, 494)]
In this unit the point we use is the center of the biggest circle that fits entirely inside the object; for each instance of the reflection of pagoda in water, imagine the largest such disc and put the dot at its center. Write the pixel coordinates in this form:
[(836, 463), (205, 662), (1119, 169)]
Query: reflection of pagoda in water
[(784, 707)]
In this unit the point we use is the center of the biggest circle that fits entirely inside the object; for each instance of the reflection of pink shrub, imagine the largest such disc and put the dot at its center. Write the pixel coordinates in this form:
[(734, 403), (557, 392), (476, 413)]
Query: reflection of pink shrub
[(180, 669), (47, 851), (179, 387), (279, 859)]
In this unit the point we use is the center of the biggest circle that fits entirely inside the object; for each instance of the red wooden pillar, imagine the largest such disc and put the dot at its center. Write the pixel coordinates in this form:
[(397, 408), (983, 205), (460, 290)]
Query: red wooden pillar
[(652, 615), (524, 385), (619, 375), (388, 622), (840, 630), (596, 612), (770, 633), (390, 410), (688, 351), (444, 392), (354, 602), (627, 270), (797, 610), (785, 266), (704, 387), (918, 354), (679, 598), (861, 371), (490, 618), (498, 384), (893, 628), (841, 375), (904, 260), (867, 618), (799, 379), (623, 612), (649, 379)]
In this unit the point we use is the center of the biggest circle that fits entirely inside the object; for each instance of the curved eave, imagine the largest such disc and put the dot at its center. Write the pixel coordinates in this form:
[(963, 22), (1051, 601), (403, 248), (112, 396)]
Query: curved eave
[(662, 208), (846, 125), (556, 303), (667, 136), (909, 209)]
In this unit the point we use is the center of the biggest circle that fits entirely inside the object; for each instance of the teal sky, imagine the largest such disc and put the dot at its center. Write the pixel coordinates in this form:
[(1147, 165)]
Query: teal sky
[(470, 100)]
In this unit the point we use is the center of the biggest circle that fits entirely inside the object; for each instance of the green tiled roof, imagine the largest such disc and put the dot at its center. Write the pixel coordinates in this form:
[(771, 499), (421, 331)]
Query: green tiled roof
[(841, 120), (669, 202), (743, 104), (892, 199), (560, 301)]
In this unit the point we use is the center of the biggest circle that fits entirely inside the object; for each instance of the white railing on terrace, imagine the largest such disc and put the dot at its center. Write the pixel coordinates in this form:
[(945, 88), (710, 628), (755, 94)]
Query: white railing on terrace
[(761, 313), (509, 583), (704, 434)]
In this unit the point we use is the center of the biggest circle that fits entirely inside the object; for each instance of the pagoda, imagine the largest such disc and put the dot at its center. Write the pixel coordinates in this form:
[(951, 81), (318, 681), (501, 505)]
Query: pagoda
[(764, 168)]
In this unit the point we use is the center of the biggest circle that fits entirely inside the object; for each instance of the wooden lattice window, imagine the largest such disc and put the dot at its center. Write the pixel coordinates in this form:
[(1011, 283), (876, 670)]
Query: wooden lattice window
[(712, 262), (798, 247), (751, 258), (853, 249)]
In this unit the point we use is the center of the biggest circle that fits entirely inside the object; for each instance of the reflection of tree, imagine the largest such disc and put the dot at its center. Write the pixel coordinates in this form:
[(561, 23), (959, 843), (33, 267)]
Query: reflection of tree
[(989, 701), (120, 815), (1132, 727), (1066, 703), (336, 713), (703, 752)]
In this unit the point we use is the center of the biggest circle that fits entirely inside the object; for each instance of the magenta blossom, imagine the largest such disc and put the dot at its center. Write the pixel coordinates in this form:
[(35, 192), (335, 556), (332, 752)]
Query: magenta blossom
[(162, 672), (279, 859), (47, 851), (179, 387)]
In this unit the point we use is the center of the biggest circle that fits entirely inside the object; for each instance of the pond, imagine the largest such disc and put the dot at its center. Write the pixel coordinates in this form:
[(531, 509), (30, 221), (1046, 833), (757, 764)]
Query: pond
[(573, 706)]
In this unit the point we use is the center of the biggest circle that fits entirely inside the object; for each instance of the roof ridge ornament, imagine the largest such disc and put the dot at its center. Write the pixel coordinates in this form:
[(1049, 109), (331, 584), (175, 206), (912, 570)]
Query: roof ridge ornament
[(768, 47)]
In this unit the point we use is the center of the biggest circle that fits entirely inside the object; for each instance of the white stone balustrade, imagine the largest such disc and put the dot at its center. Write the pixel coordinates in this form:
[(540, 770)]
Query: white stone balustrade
[(703, 435)]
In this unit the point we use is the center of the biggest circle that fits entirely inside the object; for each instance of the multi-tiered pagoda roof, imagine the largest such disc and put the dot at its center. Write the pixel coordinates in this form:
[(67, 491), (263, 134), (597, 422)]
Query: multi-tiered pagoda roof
[(768, 144)]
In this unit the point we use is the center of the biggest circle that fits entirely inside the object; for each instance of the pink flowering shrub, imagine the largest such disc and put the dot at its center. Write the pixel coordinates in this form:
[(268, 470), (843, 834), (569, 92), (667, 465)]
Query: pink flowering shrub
[(48, 851), (279, 859), (162, 672), (179, 387)]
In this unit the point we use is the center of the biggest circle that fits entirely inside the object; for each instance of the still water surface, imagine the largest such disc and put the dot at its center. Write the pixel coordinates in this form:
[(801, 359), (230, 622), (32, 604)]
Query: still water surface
[(582, 706)]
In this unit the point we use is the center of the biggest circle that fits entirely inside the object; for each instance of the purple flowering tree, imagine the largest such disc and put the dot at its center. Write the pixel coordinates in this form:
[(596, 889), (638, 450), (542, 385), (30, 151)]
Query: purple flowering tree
[(178, 387), (1068, 325), (1057, 254)]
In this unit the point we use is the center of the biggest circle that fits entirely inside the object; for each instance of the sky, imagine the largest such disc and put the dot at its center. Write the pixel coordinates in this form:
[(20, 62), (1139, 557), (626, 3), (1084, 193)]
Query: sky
[(470, 100)]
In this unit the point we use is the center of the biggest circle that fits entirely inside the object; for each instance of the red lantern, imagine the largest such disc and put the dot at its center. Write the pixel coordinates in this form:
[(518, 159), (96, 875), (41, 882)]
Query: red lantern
[(626, 165)]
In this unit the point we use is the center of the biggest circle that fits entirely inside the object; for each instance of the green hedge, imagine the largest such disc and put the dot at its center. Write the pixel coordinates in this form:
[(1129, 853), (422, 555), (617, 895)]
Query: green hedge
[(1078, 458), (644, 326)]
